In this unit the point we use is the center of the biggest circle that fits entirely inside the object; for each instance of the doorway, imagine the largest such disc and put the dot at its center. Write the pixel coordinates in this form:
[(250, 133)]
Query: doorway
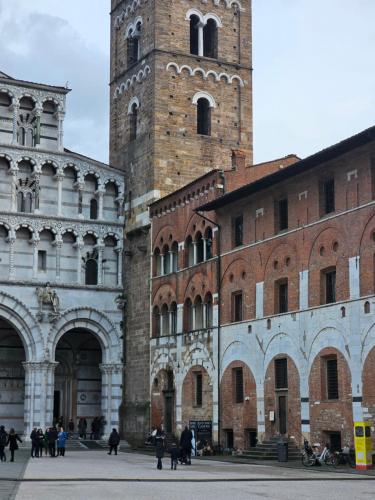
[(56, 405), (282, 414), (168, 407)]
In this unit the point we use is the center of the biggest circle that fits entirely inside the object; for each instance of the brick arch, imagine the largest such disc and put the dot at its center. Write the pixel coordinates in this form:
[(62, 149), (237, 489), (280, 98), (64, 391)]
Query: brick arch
[(329, 336), (239, 351), (330, 258), (164, 233), (200, 223), (328, 416), (368, 386), (282, 263), (161, 396), (367, 257), (240, 417), (189, 409), (233, 281), (164, 291), (272, 400), (196, 282)]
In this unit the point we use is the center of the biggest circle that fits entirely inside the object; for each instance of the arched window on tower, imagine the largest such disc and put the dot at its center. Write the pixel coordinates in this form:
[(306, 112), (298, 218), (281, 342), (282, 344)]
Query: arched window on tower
[(93, 209), (199, 243), (208, 310), (208, 236), (164, 320), (210, 39), (203, 117), (156, 322), (133, 117), (91, 272), (173, 318), (198, 308), (194, 34), (174, 251)]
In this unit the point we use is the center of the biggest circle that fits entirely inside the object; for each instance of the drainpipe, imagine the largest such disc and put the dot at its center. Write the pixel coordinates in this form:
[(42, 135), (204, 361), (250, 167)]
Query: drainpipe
[(218, 280)]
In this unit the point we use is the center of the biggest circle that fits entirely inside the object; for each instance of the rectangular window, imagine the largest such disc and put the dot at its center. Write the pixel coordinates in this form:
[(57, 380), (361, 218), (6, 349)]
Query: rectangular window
[(238, 231), (237, 307), (238, 385), (198, 389), (281, 373), (281, 296), (281, 215), (42, 260), (328, 196), (329, 283), (332, 378)]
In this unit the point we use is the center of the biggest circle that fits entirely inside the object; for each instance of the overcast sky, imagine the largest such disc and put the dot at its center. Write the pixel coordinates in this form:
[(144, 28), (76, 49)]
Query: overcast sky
[(314, 68)]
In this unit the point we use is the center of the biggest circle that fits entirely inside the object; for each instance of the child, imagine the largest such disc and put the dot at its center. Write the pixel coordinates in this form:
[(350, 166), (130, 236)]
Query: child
[(175, 454)]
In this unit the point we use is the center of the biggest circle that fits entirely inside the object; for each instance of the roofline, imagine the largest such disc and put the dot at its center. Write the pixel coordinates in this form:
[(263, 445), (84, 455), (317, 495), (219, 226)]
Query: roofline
[(33, 85), (297, 168), (88, 158), (186, 186)]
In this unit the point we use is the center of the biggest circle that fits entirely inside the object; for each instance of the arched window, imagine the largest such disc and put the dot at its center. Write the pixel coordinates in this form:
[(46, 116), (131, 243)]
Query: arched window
[(194, 34), (21, 136), (91, 272), (209, 311), (189, 252), (188, 316), (198, 307), (164, 320), (166, 260), (29, 137), (203, 117), (157, 262), (173, 318), (199, 243), (156, 322), (208, 237), (27, 203), (210, 39), (366, 307), (20, 202), (93, 209), (133, 116), (174, 251)]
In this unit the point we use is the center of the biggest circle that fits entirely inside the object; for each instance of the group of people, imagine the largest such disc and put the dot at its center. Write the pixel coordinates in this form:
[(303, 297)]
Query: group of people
[(52, 442), (8, 440), (181, 453)]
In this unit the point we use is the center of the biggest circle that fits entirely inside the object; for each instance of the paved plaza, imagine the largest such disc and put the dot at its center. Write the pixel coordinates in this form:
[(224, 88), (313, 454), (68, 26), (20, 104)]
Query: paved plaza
[(95, 475)]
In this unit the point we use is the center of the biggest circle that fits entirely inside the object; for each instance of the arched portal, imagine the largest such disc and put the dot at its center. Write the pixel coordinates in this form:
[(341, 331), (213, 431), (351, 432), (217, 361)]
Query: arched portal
[(78, 378), (12, 377), (163, 401)]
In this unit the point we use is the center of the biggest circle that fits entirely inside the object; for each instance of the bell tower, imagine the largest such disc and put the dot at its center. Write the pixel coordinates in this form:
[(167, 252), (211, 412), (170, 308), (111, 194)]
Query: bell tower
[(181, 102)]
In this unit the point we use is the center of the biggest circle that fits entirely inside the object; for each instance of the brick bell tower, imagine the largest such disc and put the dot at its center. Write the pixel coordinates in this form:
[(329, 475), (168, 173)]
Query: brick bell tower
[(181, 102)]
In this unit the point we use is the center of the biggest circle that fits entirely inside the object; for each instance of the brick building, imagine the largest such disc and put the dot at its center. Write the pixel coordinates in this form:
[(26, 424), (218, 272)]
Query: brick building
[(262, 298), (181, 101)]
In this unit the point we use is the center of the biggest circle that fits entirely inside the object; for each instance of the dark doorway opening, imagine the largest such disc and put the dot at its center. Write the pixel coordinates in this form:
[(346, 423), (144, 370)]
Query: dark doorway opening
[(56, 406), (229, 438), (282, 414), (334, 441), (251, 438)]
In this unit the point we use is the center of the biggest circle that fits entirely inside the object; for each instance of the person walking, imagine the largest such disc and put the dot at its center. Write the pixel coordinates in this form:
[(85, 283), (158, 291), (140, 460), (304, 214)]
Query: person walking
[(12, 442), (34, 443), (113, 441), (81, 429), (185, 443), (159, 446), (40, 441), (52, 436), (3, 442), (61, 439), (175, 455)]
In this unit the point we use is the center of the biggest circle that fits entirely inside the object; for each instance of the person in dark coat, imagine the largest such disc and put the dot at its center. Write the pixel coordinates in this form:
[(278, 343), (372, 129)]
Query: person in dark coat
[(12, 441), (185, 443), (71, 427), (40, 439), (159, 446), (52, 436), (113, 441), (34, 443), (3, 442), (175, 455)]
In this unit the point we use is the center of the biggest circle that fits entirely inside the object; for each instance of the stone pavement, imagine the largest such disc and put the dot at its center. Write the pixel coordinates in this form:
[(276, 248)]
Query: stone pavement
[(10, 472), (134, 476)]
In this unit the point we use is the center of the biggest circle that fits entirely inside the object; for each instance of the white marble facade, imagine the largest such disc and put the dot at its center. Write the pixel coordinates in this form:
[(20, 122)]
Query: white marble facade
[(61, 233)]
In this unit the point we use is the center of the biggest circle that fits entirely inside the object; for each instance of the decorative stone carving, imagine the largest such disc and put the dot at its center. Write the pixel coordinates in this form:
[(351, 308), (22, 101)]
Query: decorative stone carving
[(47, 296)]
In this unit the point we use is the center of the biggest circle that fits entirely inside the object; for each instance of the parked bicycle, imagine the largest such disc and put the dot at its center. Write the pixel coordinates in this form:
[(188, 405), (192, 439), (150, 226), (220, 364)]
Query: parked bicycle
[(310, 456), (346, 457)]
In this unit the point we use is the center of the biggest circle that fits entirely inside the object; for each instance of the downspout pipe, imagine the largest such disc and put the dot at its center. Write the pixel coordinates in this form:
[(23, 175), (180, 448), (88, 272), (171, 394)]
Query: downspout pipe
[(218, 281)]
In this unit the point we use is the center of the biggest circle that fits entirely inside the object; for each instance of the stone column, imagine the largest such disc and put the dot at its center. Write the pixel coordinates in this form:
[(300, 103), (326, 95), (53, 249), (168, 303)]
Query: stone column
[(100, 249), (79, 246), (261, 417), (38, 112), (36, 176), (120, 207), (16, 108), (80, 185), (305, 404), (14, 172), (200, 27), (204, 319), (59, 178), (194, 319), (162, 267), (58, 243), (204, 249), (100, 195), (35, 243), (180, 317), (194, 252), (111, 394), (118, 250), (60, 130), (171, 261), (11, 240)]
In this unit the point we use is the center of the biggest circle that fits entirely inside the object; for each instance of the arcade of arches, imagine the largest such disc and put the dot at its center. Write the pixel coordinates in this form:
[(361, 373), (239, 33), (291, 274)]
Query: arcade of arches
[(77, 384)]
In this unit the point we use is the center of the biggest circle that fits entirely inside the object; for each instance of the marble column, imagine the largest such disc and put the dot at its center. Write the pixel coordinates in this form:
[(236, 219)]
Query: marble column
[(60, 130), (14, 172), (58, 244), (100, 195), (12, 241), (200, 27), (111, 394), (79, 246), (16, 108), (59, 178), (100, 249), (35, 243), (118, 250)]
